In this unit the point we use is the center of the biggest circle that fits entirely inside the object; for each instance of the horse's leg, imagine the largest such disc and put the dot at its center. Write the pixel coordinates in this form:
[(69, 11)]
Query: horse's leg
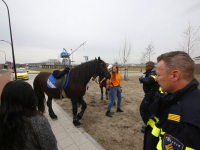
[(101, 92), (75, 117), (51, 113), (83, 108), (41, 101)]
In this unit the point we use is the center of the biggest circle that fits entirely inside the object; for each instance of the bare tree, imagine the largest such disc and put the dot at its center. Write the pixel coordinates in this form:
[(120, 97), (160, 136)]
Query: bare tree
[(149, 51), (191, 39), (124, 53), (116, 61), (143, 57)]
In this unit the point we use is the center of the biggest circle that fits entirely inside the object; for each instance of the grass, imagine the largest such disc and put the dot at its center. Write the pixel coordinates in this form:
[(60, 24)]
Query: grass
[(45, 70), (91, 133), (120, 69), (101, 140), (133, 69)]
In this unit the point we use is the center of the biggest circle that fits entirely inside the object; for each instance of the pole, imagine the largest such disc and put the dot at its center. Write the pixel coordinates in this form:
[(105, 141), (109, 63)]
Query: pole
[(72, 58), (78, 47), (5, 54), (11, 41), (127, 74)]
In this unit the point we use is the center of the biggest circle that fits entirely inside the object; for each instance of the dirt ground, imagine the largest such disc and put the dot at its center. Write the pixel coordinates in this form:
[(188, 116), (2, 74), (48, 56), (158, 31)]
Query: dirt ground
[(122, 131)]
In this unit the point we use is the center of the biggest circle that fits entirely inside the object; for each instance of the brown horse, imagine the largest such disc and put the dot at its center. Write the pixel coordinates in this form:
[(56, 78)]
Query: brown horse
[(78, 78), (103, 85)]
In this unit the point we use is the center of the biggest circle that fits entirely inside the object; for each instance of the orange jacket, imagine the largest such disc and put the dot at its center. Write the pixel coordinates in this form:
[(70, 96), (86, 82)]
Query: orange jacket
[(116, 81)]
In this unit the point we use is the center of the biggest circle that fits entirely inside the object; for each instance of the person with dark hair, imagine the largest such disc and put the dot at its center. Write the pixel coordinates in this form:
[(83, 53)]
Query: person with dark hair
[(115, 90), (21, 125), (150, 87), (175, 118)]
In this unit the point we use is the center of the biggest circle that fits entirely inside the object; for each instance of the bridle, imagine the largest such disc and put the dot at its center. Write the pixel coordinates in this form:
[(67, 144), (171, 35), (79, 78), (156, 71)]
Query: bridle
[(103, 71)]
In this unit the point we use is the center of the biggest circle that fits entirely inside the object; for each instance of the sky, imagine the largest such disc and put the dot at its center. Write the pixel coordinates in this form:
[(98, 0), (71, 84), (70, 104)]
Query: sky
[(42, 28)]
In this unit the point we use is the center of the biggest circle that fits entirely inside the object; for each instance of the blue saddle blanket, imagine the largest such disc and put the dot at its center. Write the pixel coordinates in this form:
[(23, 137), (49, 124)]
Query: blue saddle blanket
[(52, 80)]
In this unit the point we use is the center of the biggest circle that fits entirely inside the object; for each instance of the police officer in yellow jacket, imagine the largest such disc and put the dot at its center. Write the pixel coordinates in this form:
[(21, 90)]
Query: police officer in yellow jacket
[(175, 118)]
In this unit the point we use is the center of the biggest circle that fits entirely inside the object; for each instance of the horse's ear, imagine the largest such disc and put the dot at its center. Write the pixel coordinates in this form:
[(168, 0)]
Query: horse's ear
[(95, 58), (99, 59)]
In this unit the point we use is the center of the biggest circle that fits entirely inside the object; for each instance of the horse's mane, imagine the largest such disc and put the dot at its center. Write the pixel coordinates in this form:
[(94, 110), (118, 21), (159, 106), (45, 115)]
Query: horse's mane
[(82, 72)]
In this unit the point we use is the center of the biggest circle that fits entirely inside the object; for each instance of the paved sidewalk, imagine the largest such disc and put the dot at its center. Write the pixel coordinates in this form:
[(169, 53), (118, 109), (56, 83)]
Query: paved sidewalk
[(68, 136), (4, 78)]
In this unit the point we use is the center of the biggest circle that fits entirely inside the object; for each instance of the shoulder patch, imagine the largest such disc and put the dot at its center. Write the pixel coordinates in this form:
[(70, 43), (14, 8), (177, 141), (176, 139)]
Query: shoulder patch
[(171, 143), (174, 117)]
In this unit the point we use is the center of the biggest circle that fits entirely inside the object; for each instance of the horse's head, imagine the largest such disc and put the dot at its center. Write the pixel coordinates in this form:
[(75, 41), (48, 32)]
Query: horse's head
[(102, 69)]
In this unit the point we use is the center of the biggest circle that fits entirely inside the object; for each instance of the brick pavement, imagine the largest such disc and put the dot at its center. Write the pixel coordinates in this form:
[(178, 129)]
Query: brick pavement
[(4, 78), (68, 136)]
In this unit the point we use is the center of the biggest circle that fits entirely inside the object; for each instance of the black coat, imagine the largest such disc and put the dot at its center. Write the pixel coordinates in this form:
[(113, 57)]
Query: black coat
[(179, 119), (149, 83)]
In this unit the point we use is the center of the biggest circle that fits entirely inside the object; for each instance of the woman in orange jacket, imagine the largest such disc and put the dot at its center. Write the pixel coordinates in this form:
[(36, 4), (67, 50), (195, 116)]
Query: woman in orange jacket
[(115, 90)]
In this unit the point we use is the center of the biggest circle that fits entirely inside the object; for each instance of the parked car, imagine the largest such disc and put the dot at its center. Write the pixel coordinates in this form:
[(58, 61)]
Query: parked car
[(22, 74)]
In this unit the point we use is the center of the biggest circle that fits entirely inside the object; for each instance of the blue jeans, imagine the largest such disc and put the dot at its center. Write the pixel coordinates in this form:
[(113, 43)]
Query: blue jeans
[(114, 91)]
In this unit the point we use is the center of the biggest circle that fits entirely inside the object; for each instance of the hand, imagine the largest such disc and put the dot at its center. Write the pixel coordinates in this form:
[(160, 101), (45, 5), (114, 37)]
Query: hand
[(121, 89), (141, 78), (102, 80), (110, 80)]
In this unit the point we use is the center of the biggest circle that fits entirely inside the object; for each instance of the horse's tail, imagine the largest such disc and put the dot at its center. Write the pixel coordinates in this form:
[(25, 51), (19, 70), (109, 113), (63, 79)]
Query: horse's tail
[(39, 94)]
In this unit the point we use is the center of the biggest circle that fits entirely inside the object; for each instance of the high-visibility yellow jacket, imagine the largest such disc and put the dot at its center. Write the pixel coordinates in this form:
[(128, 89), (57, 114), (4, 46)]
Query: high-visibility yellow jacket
[(175, 121)]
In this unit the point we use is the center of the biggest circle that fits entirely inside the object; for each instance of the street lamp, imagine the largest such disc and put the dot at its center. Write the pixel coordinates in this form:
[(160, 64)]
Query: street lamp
[(11, 41), (72, 58), (5, 41), (5, 54)]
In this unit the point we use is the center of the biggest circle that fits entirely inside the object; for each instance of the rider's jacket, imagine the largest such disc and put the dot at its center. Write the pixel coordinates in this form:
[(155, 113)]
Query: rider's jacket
[(175, 120), (150, 85)]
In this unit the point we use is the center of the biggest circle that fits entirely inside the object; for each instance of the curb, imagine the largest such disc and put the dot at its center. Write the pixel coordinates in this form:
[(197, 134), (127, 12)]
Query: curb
[(81, 129)]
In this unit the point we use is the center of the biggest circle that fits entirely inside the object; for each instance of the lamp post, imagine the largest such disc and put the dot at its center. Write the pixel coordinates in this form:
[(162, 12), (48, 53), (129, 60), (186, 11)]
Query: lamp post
[(72, 58), (5, 54), (5, 41), (11, 41)]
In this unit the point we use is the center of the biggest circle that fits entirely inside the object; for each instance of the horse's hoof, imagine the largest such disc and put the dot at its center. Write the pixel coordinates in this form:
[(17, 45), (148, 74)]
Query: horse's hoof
[(79, 116), (76, 123), (101, 98), (54, 117), (106, 98)]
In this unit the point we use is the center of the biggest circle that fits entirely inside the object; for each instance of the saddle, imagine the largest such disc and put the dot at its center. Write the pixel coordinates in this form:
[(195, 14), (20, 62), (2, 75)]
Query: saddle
[(58, 74), (61, 79)]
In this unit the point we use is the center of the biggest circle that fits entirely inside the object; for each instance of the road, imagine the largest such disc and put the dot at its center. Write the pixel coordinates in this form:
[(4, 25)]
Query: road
[(31, 78), (5, 77)]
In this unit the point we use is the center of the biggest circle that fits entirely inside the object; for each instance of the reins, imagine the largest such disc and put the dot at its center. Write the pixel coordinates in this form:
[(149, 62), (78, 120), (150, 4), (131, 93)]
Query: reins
[(114, 87)]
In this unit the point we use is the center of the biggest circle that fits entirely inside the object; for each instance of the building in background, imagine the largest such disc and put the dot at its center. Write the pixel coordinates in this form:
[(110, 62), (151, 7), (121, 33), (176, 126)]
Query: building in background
[(197, 65)]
